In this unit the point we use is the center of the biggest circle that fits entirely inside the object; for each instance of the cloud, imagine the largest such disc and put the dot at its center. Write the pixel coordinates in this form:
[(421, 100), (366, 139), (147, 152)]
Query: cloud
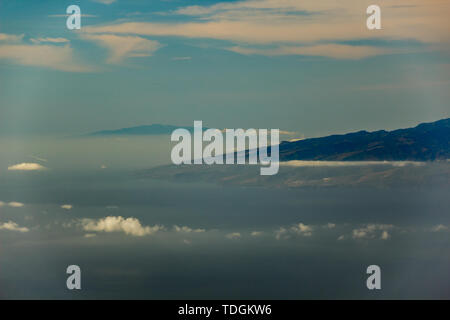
[(67, 206), (51, 40), (385, 235), (187, 229), (11, 37), (302, 229), (233, 235), (336, 51), (181, 58), (15, 204), (368, 232), (281, 232), (122, 47), (129, 226), (439, 227), (12, 226), (108, 2), (54, 57), (12, 204), (310, 27), (90, 235), (256, 233), (340, 238), (301, 163), (25, 166), (330, 225)]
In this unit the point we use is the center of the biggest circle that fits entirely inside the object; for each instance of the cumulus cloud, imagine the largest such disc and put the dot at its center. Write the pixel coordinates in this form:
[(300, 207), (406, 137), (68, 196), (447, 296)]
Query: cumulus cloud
[(129, 226), (233, 235), (26, 166), (256, 233), (12, 226), (187, 229), (67, 206), (302, 229), (370, 230), (122, 47)]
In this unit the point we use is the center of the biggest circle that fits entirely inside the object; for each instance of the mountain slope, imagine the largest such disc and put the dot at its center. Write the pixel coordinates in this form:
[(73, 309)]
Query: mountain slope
[(427, 141)]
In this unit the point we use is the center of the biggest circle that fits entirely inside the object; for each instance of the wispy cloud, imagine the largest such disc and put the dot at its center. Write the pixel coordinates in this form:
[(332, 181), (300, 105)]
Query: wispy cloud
[(439, 227), (122, 47), (309, 27), (50, 56), (105, 1), (187, 229), (51, 40)]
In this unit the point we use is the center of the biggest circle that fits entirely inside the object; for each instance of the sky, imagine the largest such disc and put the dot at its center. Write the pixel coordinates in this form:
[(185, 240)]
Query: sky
[(311, 67)]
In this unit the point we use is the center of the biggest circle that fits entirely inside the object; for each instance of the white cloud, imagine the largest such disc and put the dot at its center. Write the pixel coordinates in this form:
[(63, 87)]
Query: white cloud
[(330, 225), (256, 233), (187, 229), (122, 47), (340, 238), (26, 167), (439, 227), (370, 230), (67, 206), (130, 226), (233, 235), (15, 204), (12, 226), (302, 229)]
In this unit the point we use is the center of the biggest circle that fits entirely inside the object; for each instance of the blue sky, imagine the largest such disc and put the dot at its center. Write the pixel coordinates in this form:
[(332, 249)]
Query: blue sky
[(306, 66)]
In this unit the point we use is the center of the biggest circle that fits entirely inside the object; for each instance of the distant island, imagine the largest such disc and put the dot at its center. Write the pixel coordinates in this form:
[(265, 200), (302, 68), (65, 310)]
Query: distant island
[(153, 129)]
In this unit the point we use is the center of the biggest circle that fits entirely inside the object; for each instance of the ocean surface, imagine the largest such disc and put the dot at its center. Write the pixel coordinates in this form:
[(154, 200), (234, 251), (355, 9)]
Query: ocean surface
[(205, 240)]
